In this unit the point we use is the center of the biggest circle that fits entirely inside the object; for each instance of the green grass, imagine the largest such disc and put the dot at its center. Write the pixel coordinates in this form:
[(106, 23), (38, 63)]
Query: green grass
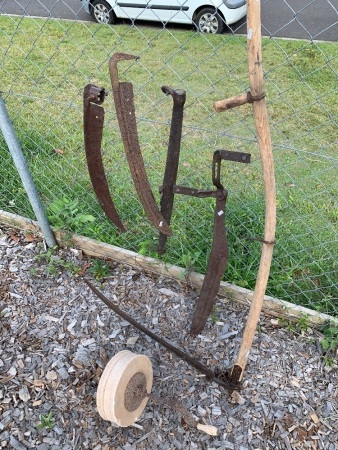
[(46, 63)]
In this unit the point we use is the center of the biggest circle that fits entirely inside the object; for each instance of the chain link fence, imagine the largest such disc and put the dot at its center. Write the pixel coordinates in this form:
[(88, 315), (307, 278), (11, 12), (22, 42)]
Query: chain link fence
[(47, 61)]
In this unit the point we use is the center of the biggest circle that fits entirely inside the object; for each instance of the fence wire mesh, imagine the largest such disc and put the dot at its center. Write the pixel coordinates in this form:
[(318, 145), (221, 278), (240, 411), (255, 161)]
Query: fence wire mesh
[(45, 63)]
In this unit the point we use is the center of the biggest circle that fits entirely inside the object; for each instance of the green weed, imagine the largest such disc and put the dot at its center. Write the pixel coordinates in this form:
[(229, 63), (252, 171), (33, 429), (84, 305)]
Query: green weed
[(330, 345), (100, 269), (188, 261), (300, 326), (330, 340), (214, 315), (53, 264), (47, 421), (148, 248), (303, 323), (66, 214)]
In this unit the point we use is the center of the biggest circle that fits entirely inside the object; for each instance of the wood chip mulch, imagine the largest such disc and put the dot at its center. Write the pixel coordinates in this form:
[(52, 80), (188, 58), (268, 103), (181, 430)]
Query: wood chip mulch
[(56, 338)]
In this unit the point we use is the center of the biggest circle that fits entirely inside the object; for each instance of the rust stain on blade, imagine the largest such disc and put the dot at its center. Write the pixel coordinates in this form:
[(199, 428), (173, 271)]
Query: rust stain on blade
[(125, 110), (93, 126)]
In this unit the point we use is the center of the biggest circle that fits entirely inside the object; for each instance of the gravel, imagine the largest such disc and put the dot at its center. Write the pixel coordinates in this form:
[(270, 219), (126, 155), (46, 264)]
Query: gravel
[(56, 338)]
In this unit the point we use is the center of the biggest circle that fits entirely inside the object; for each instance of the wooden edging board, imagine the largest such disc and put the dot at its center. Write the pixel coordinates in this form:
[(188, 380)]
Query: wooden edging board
[(271, 306)]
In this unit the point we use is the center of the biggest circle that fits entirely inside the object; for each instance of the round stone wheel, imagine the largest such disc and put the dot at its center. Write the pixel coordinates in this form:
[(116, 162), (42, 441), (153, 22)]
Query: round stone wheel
[(123, 389)]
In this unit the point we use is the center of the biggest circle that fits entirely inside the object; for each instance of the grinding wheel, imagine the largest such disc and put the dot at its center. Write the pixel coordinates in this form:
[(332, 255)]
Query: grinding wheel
[(123, 389)]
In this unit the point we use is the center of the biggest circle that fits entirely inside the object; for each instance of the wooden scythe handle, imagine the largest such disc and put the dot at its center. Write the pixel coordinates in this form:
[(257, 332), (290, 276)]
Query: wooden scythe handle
[(264, 139)]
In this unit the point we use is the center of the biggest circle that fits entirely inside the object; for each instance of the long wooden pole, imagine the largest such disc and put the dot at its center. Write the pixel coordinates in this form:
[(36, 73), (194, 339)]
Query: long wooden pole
[(264, 139)]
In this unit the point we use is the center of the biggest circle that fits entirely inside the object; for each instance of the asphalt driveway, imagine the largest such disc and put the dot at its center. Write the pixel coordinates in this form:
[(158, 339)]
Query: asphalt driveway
[(298, 19)]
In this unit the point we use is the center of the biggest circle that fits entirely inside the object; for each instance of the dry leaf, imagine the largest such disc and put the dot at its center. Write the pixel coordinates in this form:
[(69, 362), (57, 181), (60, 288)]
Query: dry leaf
[(84, 269), (14, 237), (29, 238)]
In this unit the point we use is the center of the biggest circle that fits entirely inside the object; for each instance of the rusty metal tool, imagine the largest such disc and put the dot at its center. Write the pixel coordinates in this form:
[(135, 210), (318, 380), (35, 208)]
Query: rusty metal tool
[(218, 256), (219, 251), (125, 110), (93, 117), (220, 378), (173, 156)]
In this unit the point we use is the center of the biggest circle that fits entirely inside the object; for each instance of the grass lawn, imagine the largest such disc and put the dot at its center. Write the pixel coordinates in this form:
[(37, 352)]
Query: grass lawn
[(45, 65)]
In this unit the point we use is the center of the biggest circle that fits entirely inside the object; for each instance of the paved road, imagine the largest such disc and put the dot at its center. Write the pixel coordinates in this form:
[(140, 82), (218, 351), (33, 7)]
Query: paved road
[(300, 19)]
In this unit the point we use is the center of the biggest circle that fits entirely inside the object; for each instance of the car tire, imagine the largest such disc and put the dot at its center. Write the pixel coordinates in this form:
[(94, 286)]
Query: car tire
[(102, 12), (208, 20)]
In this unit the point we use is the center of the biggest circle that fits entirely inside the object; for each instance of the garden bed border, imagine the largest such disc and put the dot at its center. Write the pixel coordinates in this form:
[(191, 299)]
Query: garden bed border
[(91, 247)]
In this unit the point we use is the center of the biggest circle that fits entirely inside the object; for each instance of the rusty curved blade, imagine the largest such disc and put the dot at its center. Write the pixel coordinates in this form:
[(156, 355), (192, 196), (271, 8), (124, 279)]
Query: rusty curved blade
[(93, 116), (173, 156), (216, 266), (125, 110)]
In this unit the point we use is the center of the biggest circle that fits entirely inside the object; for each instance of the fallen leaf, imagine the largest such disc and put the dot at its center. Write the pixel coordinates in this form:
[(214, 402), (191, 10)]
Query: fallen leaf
[(84, 269), (29, 238), (14, 237)]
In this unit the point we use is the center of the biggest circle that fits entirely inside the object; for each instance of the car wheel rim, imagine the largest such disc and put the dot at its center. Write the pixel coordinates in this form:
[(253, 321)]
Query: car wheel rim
[(101, 13), (208, 23)]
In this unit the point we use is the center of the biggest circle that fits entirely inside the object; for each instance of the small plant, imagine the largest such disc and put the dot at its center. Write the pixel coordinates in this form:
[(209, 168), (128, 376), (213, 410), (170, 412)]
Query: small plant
[(329, 344), (189, 260), (288, 325), (65, 213), (53, 263), (33, 271), (46, 256), (329, 361), (301, 326), (47, 421), (148, 248), (213, 315), (304, 323), (100, 269), (330, 340)]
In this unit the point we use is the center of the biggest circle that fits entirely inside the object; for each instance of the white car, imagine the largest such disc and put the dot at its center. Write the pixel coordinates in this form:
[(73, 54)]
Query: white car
[(209, 16)]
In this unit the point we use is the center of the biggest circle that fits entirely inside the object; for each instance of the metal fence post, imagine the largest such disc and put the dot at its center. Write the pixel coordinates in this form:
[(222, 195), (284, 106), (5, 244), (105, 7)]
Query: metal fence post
[(26, 178)]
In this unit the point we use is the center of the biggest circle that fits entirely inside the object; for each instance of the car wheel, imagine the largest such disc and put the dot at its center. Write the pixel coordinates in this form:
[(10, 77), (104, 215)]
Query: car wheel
[(208, 20), (102, 12)]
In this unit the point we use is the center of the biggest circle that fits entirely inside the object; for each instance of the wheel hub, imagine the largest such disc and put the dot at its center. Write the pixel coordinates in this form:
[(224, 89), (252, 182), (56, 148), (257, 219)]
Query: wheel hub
[(209, 23), (101, 14)]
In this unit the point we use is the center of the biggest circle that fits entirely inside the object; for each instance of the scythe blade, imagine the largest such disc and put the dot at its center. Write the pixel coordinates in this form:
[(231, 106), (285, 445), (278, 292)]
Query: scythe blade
[(125, 110), (216, 266), (93, 115)]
